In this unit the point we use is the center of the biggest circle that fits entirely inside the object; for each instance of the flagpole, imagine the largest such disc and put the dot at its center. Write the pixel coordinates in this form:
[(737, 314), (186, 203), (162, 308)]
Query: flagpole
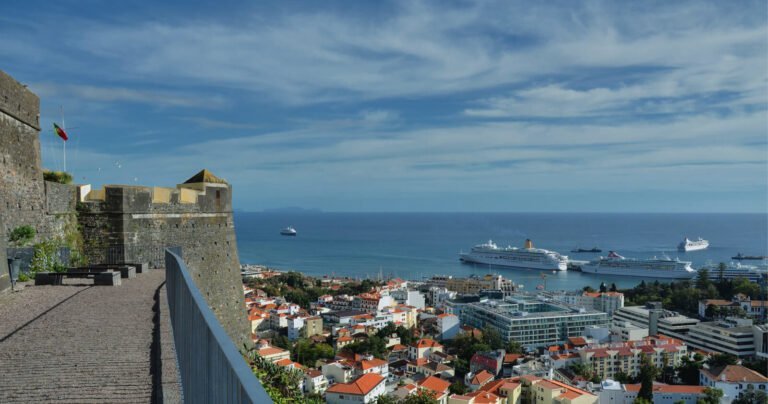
[(64, 126)]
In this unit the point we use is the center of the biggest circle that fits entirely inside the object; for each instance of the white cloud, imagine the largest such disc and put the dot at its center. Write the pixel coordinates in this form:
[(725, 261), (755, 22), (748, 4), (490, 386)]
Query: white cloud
[(123, 94)]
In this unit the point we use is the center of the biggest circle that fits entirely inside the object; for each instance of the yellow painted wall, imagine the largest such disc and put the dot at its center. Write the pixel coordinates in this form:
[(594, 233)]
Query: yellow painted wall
[(187, 195), (161, 195)]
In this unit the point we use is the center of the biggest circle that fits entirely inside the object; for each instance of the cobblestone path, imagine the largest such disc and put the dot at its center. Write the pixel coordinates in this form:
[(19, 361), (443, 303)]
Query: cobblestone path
[(79, 344)]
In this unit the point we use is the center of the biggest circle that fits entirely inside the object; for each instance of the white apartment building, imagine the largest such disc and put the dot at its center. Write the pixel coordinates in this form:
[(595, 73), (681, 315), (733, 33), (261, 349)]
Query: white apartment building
[(657, 320), (734, 336), (613, 392), (409, 297), (733, 380)]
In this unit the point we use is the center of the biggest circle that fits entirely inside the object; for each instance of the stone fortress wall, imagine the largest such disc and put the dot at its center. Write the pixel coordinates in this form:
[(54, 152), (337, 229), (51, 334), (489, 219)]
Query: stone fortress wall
[(135, 224), (132, 224), (25, 199)]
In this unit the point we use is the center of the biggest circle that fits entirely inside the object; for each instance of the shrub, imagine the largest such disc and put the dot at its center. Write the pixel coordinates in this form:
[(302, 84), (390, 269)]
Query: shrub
[(46, 257), (21, 236), (61, 177)]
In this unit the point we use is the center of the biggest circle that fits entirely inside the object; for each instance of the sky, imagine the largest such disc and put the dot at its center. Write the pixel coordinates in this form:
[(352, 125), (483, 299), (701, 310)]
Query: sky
[(408, 105)]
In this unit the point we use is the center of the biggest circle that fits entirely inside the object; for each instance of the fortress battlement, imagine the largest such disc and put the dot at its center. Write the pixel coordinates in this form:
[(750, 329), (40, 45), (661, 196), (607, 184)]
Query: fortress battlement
[(213, 195)]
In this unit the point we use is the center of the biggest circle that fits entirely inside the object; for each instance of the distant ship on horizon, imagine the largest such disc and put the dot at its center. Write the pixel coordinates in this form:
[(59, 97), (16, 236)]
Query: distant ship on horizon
[(740, 257), (693, 245), (584, 250), (288, 231), (615, 264), (527, 257)]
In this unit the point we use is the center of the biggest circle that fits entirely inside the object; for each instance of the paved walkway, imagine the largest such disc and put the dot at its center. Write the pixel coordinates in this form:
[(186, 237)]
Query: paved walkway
[(83, 344)]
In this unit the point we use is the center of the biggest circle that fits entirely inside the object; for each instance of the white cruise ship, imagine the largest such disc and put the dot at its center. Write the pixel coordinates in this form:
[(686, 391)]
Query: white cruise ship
[(693, 245), (737, 270), (527, 257), (615, 264)]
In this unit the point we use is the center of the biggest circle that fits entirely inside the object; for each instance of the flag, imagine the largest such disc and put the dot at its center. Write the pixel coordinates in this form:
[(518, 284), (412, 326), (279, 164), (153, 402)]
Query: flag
[(60, 132)]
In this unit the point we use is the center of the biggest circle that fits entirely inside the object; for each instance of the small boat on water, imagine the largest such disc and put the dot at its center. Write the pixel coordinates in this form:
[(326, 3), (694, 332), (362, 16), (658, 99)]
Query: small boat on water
[(740, 257), (584, 250), (288, 231)]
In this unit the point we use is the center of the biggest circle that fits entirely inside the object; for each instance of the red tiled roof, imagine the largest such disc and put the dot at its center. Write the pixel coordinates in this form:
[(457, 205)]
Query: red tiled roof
[(269, 351), (426, 343), (435, 384), (577, 341), (361, 386), (735, 374), (368, 364), (484, 397), (399, 347), (482, 377)]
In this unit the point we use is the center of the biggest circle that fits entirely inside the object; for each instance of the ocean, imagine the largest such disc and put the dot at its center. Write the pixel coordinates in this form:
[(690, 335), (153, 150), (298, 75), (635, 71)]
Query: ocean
[(418, 245)]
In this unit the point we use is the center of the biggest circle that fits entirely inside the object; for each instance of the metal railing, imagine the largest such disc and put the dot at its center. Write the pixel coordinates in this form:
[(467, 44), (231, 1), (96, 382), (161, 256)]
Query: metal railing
[(211, 367)]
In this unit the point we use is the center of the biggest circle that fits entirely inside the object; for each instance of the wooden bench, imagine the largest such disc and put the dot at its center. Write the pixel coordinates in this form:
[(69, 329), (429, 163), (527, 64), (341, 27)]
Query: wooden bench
[(107, 278), (125, 271)]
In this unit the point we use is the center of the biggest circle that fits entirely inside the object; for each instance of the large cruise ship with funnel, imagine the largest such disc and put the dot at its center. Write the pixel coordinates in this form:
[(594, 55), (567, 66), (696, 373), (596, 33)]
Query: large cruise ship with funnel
[(665, 267), (528, 257)]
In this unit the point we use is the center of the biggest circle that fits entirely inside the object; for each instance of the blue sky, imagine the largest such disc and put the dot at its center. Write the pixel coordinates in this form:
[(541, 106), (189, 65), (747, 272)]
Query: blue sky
[(409, 106)]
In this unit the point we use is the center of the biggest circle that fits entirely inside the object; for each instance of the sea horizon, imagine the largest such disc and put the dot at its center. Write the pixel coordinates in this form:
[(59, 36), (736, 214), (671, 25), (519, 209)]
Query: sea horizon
[(418, 245)]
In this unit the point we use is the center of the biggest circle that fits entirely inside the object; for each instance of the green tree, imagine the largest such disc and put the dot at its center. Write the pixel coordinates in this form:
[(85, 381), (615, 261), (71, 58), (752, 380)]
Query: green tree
[(421, 397), (642, 401), (457, 387), (711, 396), (712, 311), (61, 177), (702, 280), (751, 396), (688, 370), (622, 377), (720, 360), (648, 374), (514, 347), (386, 399), (21, 236), (613, 287), (492, 338), (281, 341)]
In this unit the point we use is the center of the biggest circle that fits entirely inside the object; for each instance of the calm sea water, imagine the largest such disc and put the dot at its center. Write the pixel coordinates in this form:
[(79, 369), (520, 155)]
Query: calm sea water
[(418, 245)]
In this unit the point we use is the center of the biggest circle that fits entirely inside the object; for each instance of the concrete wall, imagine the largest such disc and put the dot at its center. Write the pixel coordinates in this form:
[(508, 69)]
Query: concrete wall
[(128, 223)]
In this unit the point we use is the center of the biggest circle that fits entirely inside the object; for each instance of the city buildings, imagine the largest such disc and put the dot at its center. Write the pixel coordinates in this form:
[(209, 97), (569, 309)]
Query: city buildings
[(733, 336), (473, 284), (409, 297), (733, 380), (655, 319), (531, 322), (606, 360), (607, 302)]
